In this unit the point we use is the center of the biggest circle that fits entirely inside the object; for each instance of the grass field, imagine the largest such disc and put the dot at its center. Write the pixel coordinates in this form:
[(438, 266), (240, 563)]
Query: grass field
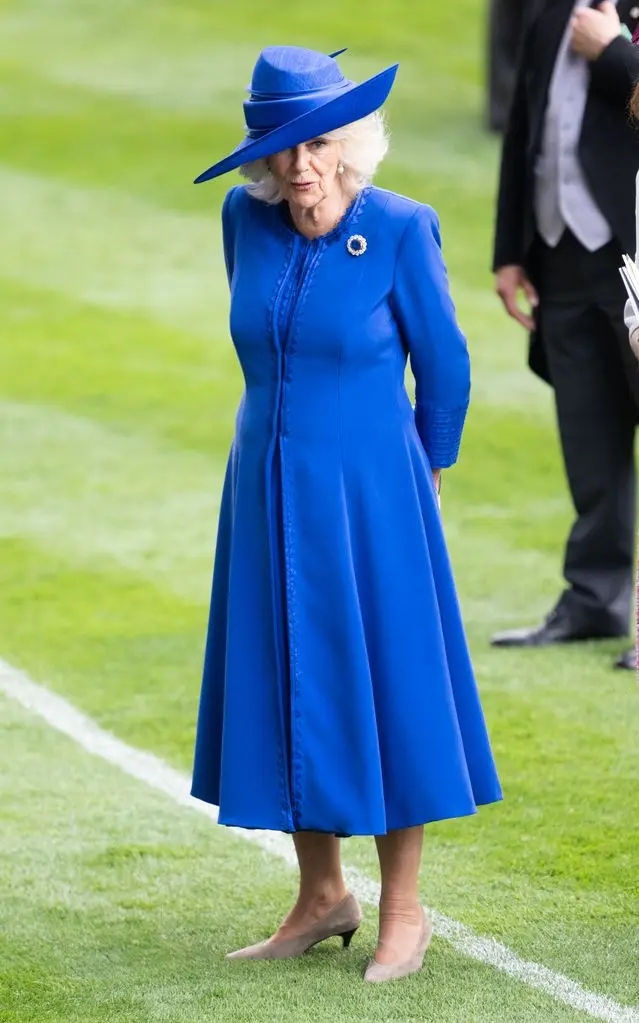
[(118, 388)]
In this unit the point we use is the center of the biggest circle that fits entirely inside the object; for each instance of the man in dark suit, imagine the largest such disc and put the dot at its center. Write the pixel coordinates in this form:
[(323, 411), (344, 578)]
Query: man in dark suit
[(505, 31), (565, 214)]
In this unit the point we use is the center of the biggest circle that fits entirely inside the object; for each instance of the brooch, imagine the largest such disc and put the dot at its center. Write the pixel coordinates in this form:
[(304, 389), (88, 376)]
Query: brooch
[(356, 245)]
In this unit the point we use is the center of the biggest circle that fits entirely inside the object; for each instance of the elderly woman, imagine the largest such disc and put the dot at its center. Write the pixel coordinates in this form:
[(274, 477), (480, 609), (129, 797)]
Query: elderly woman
[(338, 695)]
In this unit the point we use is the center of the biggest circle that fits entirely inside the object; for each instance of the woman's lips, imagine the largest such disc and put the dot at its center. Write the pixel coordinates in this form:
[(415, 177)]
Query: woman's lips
[(303, 186)]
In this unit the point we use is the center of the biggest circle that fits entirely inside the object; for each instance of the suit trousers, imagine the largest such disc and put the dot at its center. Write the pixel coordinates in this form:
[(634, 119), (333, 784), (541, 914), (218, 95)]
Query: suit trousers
[(596, 382)]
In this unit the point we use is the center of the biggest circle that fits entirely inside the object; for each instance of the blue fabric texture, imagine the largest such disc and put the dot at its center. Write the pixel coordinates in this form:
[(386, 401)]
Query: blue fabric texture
[(295, 95), (338, 693)]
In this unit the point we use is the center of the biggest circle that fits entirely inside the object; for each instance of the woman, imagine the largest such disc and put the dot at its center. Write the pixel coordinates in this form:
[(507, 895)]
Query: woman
[(338, 696)]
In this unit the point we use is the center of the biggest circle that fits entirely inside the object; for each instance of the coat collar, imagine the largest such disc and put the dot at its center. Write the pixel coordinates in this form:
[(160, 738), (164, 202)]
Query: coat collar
[(558, 10)]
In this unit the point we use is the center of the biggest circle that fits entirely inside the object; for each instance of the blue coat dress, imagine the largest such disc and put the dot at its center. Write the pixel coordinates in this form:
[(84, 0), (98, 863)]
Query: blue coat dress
[(338, 693)]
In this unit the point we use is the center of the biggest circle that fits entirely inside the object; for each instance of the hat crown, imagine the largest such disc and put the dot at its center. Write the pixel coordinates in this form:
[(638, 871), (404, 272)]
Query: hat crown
[(293, 70)]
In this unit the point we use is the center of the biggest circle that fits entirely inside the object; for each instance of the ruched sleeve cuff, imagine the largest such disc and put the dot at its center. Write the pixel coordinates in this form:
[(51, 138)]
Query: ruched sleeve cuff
[(440, 431)]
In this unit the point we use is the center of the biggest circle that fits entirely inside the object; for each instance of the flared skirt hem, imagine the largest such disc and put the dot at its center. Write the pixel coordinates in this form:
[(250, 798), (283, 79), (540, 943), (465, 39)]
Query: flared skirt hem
[(268, 824)]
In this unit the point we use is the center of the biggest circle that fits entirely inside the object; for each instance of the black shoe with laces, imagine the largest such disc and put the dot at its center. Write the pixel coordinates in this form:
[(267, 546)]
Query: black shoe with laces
[(558, 627), (627, 661)]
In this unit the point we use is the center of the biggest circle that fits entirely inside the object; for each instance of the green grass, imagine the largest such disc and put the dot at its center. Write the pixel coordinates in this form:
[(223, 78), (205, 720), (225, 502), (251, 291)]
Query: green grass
[(118, 387), (121, 906)]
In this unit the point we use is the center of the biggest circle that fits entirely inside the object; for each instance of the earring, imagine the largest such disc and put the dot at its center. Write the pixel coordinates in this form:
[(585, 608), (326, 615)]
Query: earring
[(340, 168), (268, 170)]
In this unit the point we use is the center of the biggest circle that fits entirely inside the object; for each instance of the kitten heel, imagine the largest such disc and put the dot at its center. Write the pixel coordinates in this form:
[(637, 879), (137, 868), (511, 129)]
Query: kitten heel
[(340, 922), (347, 936)]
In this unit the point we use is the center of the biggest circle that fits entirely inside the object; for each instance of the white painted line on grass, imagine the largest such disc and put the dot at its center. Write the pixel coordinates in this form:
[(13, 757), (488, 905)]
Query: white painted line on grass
[(64, 717)]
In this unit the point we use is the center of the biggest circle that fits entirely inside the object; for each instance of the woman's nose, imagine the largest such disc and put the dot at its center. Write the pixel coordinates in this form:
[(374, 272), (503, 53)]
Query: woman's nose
[(300, 159)]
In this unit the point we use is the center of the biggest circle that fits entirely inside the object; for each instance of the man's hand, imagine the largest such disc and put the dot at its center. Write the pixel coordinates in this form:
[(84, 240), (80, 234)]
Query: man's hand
[(509, 281), (593, 29)]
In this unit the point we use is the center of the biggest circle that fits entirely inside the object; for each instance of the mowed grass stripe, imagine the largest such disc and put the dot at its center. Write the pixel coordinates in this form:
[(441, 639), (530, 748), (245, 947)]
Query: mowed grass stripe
[(99, 495), (551, 875), (95, 495), (66, 719), (137, 65), (166, 37), (116, 369), (183, 96), (439, 155), (104, 247), (118, 253), (182, 58), (552, 872), (84, 137), (121, 907)]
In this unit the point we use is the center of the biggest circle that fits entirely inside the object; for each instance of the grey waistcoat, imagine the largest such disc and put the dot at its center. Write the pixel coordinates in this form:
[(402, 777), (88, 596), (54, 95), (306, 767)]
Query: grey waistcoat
[(562, 196)]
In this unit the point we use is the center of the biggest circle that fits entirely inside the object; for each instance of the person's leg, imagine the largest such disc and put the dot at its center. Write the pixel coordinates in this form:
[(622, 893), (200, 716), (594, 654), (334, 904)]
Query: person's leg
[(610, 299), (596, 419), (321, 882), (597, 443), (323, 907), (400, 913)]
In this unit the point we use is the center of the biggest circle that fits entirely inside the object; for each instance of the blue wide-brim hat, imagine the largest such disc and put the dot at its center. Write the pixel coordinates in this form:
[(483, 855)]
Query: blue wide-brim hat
[(297, 95)]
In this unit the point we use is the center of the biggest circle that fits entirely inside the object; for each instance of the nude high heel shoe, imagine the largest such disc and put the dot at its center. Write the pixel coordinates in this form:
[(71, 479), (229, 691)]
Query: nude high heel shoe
[(377, 973), (341, 921)]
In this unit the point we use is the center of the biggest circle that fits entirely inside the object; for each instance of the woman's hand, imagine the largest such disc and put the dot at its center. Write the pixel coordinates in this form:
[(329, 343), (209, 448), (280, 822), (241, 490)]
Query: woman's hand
[(437, 480)]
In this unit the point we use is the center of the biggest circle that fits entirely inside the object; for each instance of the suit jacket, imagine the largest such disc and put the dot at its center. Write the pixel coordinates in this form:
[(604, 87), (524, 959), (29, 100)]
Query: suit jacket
[(608, 147), (506, 21)]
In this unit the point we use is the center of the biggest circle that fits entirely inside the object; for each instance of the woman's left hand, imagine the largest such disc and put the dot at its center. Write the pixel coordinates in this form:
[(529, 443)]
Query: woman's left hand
[(437, 480)]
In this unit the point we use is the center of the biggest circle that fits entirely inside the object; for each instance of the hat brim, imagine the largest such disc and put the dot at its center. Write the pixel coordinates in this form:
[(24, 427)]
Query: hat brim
[(358, 102)]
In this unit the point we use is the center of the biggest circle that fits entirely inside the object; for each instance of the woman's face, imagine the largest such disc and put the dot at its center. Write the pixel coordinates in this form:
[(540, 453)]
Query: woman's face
[(308, 173)]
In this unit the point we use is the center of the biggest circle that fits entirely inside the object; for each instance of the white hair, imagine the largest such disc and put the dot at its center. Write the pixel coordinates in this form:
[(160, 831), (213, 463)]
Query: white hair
[(363, 146)]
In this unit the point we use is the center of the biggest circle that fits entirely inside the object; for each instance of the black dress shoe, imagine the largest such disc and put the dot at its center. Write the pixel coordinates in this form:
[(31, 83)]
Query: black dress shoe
[(627, 660), (558, 627)]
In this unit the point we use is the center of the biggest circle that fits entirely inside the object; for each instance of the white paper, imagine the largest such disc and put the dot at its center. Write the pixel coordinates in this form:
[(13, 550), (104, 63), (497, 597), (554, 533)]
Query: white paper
[(630, 277)]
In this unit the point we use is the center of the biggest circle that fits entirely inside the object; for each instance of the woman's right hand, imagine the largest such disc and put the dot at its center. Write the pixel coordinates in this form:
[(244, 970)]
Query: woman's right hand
[(509, 281)]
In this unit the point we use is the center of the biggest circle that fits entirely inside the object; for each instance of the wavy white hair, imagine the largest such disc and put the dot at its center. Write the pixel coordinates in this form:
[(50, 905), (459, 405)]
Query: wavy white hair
[(363, 146)]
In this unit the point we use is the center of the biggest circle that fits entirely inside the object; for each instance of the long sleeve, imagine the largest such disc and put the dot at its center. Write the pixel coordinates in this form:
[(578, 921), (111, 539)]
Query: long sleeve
[(632, 322), (615, 72), (509, 228), (437, 348)]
